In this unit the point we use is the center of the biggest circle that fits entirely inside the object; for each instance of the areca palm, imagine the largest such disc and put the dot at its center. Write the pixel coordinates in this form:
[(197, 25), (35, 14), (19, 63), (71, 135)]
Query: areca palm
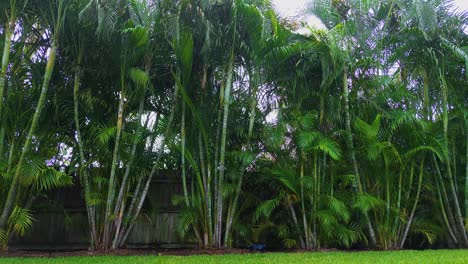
[(12, 8), (253, 114), (422, 19), (207, 145), (347, 25), (135, 24), (320, 217), (19, 174), (61, 9)]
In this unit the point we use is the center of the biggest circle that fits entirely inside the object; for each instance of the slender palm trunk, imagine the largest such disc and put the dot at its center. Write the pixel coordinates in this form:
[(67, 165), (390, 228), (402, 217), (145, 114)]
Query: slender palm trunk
[(296, 224), (410, 220), (11, 156), (232, 213), (123, 186), (466, 172), (138, 188), (454, 163), (9, 28), (111, 190), (206, 208), (315, 201), (448, 225), (387, 192), (206, 195), (349, 142), (182, 147), (458, 214), (216, 169), (427, 107), (445, 200), (145, 189), (83, 168), (303, 211), (397, 222), (322, 109), (222, 152), (32, 129)]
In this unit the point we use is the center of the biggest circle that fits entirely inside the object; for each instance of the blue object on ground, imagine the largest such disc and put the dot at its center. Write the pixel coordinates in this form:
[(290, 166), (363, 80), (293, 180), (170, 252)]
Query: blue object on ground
[(257, 247)]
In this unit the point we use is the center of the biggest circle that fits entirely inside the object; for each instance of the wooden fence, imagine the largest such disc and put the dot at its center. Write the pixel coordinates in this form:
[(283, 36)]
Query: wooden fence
[(63, 224)]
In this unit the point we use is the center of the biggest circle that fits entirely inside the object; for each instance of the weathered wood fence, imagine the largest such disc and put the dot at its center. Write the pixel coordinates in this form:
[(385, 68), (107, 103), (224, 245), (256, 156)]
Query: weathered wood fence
[(63, 225)]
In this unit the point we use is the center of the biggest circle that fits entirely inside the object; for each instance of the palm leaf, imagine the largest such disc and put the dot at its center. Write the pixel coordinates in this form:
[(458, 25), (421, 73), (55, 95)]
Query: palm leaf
[(49, 178), (20, 220), (266, 208), (366, 202)]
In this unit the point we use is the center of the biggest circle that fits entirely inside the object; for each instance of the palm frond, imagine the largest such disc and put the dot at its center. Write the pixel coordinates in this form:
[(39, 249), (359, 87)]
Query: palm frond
[(139, 77), (49, 178), (266, 208), (366, 202), (186, 218), (20, 220)]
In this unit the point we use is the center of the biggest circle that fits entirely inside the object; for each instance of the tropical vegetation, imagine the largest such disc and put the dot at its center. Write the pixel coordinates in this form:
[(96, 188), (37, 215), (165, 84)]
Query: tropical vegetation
[(350, 136)]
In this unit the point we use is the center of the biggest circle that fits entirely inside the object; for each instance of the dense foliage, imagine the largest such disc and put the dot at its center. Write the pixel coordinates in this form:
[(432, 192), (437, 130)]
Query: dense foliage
[(351, 136)]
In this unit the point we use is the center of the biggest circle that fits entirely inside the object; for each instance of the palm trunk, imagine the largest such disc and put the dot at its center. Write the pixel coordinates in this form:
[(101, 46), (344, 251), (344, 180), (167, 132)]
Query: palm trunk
[(296, 224), (332, 178), (136, 193), (84, 170), (207, 197), (27, 144), (454, 159), (304, 217), (182, 147), (399, 196), (123, 186), (222, 152), (253, 106), (2, 139), (458, 214), (427, 107), (216, 171), (316, 199), (111, 191), (349, 142), (118, 225), (445, 199), (322, 109), (444, 214), (11, 156), (9, 28), (387, 192), (184, 176), (410, 220), (466, 172), (208, 237), (144, 192)]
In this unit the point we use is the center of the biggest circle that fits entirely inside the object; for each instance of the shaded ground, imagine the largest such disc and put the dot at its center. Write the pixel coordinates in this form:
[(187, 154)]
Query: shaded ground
[(123, 252)]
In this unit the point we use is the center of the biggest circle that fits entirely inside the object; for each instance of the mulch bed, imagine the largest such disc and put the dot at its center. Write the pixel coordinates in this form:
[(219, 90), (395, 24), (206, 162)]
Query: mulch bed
[(124, 252)]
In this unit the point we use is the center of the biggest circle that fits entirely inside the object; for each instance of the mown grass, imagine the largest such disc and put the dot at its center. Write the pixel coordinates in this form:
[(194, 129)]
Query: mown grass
[(428, 256)]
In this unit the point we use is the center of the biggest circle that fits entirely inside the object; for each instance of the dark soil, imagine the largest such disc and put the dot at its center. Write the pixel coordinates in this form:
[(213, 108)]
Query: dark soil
[(124, 252)]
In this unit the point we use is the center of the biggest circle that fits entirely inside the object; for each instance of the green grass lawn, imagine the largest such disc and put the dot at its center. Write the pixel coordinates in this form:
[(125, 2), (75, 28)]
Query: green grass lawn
[(429, 256)]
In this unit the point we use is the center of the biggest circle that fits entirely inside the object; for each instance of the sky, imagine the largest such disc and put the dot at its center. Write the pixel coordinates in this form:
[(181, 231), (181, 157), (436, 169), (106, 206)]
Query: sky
[(292, 8)]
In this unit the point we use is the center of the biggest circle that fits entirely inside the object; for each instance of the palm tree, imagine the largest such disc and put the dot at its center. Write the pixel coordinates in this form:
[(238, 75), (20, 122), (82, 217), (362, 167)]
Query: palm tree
[(423, 21), (57, 23), (11, 211)]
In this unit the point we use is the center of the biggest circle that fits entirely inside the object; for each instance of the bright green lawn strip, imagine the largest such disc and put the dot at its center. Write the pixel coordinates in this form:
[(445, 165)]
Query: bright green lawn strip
[(429, 256)]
